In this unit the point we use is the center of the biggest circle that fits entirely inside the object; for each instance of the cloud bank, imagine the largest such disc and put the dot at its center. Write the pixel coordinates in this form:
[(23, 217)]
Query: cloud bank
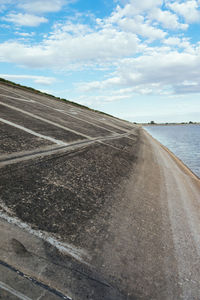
[(143, 45)]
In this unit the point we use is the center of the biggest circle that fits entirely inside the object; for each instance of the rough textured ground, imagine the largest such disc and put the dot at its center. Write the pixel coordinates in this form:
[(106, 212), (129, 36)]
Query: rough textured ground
[(110, 215), (12, 140)]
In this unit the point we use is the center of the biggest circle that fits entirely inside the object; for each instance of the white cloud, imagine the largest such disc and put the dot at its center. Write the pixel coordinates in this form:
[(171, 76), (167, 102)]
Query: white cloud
[(180, 43), (172, 41), (25, 34), (29, 20), (122, 41), (145, 5), (44, 6), (167, 19), (4, 3), (139, 26), (64, 49), (131, 18), (37, 79), (160, 72), (135, 7), (36, 6), (188, 9), (144, 18)]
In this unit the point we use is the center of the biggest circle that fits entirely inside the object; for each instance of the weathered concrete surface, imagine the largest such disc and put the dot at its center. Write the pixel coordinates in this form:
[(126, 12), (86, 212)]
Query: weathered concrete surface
[(111, 215)]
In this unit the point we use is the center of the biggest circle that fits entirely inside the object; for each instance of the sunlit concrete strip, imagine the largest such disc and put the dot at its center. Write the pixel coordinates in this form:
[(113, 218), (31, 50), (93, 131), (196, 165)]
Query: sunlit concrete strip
[(45, 120), (46, 151), (13, 292), (108, 120), (78, 118), (58, 142), (13, 158), (61, 111), (70, 114), (113, 137), (65, 248), (8, 159), (19, 99), (89, 117), (111, 146), (42, 296)]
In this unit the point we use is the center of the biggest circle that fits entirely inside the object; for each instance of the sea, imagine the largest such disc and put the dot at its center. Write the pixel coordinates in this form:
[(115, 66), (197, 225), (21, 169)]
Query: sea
[(182, 140)]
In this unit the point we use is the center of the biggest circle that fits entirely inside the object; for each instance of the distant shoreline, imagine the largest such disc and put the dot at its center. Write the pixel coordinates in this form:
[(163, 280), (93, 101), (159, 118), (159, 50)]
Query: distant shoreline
[(169, 124)]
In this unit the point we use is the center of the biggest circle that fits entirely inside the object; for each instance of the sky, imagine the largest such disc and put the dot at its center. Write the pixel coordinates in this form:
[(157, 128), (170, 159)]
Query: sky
[(135, 59)]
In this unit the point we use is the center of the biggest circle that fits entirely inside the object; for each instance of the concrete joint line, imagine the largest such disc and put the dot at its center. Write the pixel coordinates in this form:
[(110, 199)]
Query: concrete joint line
[(9, 289), (45, 120), (33, 132), (20, 99), (77, 118)]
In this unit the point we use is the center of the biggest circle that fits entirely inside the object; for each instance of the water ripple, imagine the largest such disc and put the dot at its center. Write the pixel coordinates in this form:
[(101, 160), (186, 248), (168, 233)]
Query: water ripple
[(182, 140)]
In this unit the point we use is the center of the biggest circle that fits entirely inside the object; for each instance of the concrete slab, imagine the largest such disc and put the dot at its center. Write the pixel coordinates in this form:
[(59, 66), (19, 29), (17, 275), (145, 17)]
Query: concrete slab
[(38, 125), (15, 140)]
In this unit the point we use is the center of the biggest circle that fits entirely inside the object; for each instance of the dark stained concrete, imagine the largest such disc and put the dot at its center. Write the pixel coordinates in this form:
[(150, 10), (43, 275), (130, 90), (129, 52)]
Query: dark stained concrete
[(15, 140)]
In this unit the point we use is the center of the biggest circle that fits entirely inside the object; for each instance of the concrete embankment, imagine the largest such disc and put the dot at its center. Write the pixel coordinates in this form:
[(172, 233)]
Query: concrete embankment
[(180, 210), (111, 215)]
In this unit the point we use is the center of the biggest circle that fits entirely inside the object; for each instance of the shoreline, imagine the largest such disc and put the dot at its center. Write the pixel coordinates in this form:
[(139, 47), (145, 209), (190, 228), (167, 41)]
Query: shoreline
[(180, 190), (168, 124), (175, 157)]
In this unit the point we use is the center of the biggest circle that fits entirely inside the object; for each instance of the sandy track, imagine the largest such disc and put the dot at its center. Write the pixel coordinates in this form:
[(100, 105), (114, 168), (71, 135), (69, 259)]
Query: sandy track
[(180, 192), (152, 243)]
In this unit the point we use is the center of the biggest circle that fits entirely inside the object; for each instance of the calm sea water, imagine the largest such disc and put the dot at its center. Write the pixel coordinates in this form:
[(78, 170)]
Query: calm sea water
[(182, 140)]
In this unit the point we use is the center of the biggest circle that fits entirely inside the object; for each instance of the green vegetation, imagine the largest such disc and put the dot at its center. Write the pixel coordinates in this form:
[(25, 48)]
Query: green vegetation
[(30, 89)]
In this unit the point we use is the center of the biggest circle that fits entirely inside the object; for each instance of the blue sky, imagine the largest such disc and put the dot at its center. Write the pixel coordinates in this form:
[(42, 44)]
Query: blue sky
[(138, 60)]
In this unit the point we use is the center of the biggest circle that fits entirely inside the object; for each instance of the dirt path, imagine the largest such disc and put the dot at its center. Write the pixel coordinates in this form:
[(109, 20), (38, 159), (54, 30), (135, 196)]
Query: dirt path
[(181, 192), (152, 246)]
